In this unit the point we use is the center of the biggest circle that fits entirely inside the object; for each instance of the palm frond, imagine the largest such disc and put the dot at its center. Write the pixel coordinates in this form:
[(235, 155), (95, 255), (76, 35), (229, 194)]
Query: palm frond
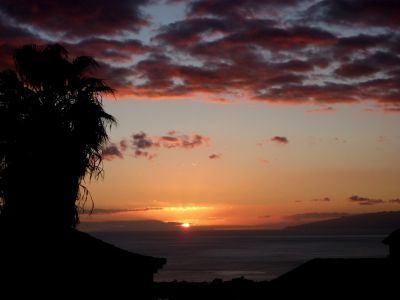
[(54, 117)]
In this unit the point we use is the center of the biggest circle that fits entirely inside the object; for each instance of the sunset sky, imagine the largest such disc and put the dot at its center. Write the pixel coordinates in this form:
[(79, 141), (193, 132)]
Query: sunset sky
[(235, 113)]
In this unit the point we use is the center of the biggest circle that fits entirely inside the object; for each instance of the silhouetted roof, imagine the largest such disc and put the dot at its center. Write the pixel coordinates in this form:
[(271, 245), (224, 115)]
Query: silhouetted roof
[(76, 246), (118, 255), (393, 238), (359, 274)]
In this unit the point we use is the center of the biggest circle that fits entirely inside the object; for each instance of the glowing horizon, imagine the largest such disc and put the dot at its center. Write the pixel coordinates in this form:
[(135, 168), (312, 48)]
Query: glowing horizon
[(272, 114)]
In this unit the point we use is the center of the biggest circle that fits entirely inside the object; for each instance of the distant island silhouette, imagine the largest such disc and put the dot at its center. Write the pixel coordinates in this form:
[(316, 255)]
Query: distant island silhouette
[(366, 223)]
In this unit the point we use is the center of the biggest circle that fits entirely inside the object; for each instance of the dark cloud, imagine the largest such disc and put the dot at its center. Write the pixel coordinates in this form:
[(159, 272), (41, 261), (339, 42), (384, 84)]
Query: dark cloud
[(142, 141), (145, 154), (350, 44), (117, 211), (10, 38), (314, 216), (77, 19), (282, 39), (271, 51), (184, 141), (297, 93), (280, 140), (369, 65), (111, 152), (327, 109), (325, 199), (128, 226), (186, 32), (116, 77), (237, 8), (364, 200), (215, 156), (108, 50), (394, 201), (356, 69), (144, 146), (233, 57), (357, 12)]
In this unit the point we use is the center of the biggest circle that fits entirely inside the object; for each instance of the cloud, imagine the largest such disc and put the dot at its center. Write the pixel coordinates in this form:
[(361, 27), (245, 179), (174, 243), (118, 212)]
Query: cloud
[(143, 145), (394, 201), (395, 109), (281, 39), (108, 50), (142, 141), (364, 200), (271, 51), (115, 150), (237, 9), (280, 140), (111, 152), (183, 141), (329, 92), (265, 217), (12, 37), (340, 140), (123, 144), (315, 216), (144, 154), (325, 199), (356, 69), (183, 33), (357, 12), (117, 211), (215, 156), (323, 110), (128, 226), (72, 19)]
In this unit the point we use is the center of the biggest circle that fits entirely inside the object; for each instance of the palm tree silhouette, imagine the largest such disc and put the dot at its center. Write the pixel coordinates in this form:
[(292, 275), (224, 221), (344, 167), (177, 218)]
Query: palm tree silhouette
[(53, 129)]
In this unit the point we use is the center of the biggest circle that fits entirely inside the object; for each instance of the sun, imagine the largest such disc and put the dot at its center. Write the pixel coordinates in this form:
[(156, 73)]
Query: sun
[(185, 225)]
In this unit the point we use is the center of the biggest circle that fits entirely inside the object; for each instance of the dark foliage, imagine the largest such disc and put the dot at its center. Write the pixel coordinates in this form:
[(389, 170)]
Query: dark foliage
[(53, 129)]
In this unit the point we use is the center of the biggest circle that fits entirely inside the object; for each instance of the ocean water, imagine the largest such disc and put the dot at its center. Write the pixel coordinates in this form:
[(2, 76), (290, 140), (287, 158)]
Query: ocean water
[(257, 255)]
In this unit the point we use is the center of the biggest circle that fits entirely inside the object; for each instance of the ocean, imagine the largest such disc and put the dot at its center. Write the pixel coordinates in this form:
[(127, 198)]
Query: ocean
[(256, 255)]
